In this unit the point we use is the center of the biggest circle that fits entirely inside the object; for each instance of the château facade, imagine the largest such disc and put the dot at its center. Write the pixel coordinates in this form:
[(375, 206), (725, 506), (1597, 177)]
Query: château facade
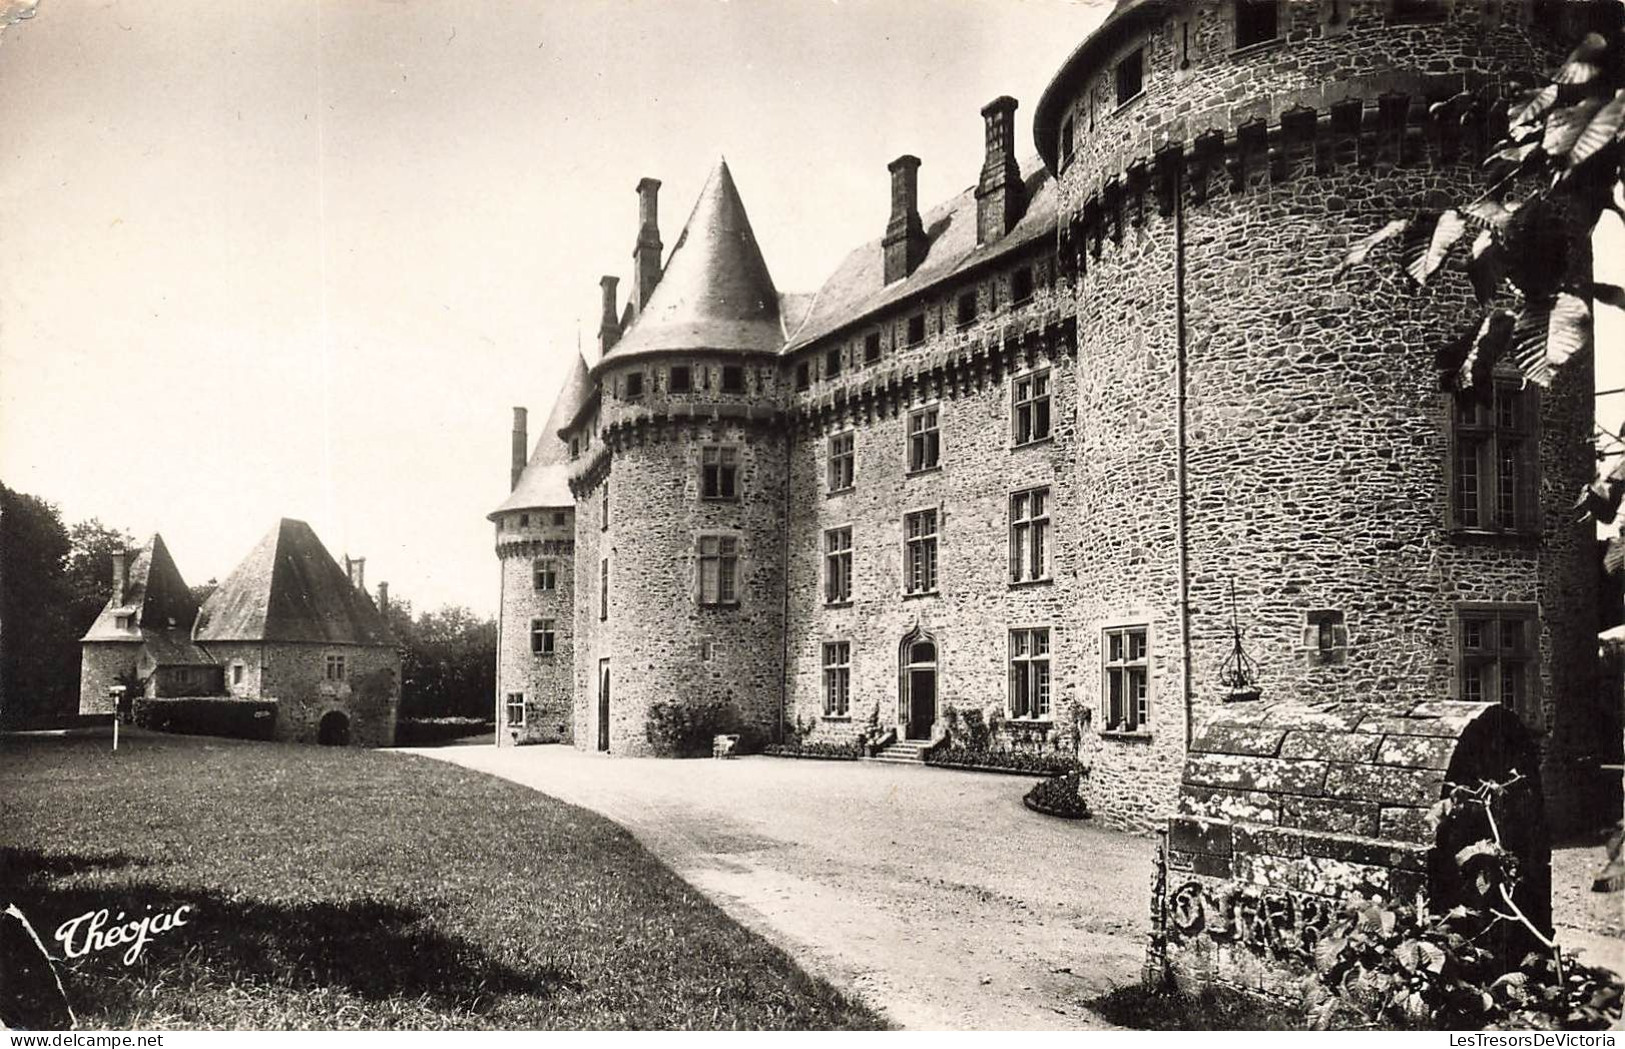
[(1042, 448)]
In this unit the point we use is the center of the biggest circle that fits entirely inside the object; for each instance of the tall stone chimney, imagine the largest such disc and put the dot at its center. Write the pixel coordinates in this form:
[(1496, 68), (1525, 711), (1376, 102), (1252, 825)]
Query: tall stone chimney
[(904, 243), (1000, 194), (516, 454), (646, 255), (356, 569), (383, 598), (121, 576), (609, 321)]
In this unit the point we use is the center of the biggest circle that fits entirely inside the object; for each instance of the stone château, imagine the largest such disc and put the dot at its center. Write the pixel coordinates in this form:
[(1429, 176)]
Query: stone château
[(1020, 450)]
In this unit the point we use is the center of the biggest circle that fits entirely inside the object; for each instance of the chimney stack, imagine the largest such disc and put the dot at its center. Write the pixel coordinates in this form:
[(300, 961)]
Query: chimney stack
[(904, 243), (516, 457), (121, 576), (609, 324), (1000, 194), (383, 598), (356, 569), (646, 255)]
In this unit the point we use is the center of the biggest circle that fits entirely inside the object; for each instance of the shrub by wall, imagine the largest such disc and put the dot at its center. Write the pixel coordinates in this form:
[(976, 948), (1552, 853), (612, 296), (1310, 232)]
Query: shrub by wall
[(684, 730), (207, 716), (410, 732)]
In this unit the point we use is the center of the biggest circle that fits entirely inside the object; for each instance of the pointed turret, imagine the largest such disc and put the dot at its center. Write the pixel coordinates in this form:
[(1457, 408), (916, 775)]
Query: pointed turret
[(544, 483), (715, 293), (149, 595)]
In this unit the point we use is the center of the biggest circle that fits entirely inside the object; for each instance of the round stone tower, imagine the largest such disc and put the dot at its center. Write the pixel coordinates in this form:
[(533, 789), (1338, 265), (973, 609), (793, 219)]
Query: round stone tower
[(683, 497), (535, 541), (1252, 423)]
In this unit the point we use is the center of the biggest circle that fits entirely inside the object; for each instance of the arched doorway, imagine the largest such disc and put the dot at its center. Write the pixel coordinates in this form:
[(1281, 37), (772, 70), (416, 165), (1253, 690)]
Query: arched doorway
[(917, 688), (334, 730)]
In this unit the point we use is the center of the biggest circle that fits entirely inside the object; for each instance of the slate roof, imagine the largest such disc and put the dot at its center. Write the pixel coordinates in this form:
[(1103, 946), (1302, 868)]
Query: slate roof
[(545, 481), (857, 287), (1126, 18), (289, 588), (160, 607), (715, 292)]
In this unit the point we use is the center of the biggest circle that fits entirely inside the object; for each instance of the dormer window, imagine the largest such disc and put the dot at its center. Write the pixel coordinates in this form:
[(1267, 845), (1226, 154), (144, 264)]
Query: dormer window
[(125, 622), (1257, 22), (634, 385), (1131, 76)]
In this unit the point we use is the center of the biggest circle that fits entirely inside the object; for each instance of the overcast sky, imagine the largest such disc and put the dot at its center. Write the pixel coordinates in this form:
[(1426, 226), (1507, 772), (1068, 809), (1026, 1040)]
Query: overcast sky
[(276, 258)]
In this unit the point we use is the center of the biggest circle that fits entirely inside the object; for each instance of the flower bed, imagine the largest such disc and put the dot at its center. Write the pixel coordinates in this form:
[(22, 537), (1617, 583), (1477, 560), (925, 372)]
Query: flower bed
[(1058, 796), (1023, 761), (826, 751)]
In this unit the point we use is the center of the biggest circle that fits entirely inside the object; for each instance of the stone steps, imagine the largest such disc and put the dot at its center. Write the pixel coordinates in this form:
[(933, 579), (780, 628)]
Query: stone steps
[(904, 752)]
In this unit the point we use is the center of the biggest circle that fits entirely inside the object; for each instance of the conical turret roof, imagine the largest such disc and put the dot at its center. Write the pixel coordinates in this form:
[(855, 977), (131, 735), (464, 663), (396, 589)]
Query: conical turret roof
[(545, 481), (155, 598), (715, 292)]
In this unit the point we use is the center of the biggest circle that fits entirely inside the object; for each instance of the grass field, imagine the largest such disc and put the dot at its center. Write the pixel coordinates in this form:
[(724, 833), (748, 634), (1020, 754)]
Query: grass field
[(339, 888)]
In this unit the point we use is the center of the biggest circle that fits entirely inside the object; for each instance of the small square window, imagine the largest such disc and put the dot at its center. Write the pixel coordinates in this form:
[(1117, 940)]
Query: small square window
[(832, 363), (335, 668), (634, 385), (544, 574), (1131, 76), (236, 673), (682, 378), (733, 378), (558, 517), (871, 347), (1257, 22), (916, 329), (803, 375)]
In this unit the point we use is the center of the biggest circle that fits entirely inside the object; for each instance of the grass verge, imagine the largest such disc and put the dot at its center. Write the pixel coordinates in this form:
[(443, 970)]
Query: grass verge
[(1141, 1009), (341, 888)]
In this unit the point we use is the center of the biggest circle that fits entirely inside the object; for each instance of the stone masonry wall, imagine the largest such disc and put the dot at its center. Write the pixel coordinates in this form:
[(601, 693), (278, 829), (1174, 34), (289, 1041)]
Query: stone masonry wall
[(369, 695), (545, 680), (100, 664)]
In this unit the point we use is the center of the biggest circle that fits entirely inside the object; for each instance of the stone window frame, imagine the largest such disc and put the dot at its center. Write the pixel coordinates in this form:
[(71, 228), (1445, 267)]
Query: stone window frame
[(1135, 53), (1023, 668), (687, 373), (239, 672), (832, 557), (544, 637), (1037, 404), (1022, 277), (515, 702), (1526, 614), (1528, 516), (603, 507), (728, 555), (835, 663), (931, 542), (633, 391), (931, 439), (1126, 625), (603, 589), (803, 375), (1067, 149), (730, 371), (335, 667), (544, 574), (832, 362), (834, 456), (1024, 530), (1283, 25), (872, 350), (967, 307), (915, 321), (1325, 637), (728, 460)]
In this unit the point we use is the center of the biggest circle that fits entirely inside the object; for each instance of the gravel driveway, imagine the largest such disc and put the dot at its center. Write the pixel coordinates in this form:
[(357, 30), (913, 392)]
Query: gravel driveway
[(933, 894)]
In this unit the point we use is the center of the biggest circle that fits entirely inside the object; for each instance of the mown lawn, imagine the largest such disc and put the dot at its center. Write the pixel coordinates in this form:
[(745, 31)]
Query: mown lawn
[(339, 888)]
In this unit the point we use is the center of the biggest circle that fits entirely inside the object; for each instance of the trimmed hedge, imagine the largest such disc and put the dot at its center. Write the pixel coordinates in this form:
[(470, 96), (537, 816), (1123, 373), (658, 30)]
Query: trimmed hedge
[(1011, 760), (413, 731), (686, 730), (1058, 796), (828, 751), (207, 716)]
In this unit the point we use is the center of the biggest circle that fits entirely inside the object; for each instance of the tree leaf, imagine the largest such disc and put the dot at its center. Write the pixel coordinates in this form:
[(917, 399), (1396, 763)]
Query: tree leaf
[(1600, 130), (1532, 105), (1484, 267), (1327, 952), (1482, 848), (1609, 295), (1564, 126), (1581, 66), (1428, 241), (1489, 215), (1469, 363), (1362, 247), (1568, 332)]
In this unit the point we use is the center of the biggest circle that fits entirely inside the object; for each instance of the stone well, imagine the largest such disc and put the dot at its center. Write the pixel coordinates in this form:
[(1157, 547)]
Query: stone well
[(1287, 810)]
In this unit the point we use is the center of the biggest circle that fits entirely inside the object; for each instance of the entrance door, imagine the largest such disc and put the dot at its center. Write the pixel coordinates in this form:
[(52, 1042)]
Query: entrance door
[(920, 688), (603, 704)]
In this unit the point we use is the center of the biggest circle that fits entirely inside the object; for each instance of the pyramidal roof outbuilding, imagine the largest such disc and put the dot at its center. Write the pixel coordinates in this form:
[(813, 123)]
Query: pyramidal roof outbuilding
[(289, 588), (545, 481), (715, 292), (155, 602)]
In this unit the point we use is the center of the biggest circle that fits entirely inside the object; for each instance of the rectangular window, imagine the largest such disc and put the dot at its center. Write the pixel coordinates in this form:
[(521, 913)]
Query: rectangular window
[(1495, 650), (719, 570), (803, 376), (832, 363), (1029, 535), (916, 329), (603, 589), (719, 472), (634, 385), (1495, 461), (838, 566), (575, 447), (837, 678), (965, 310), (871, 347), (603, 507), (544, 574), (1030, 406), (682, 378), (733, 378), (1126, 679), (842, 461), (543, 637), (236, 673), (335, 668), (1066, 142), (1257, 21), (1029, 674), (516, 709), (1021, 285), (924, 442), (1416, 11), (920, 552), (1131, 76), (558, 517)]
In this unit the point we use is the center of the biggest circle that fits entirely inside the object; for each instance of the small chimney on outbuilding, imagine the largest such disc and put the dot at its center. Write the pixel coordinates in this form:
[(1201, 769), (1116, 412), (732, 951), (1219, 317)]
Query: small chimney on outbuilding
[(1000, 194), (383, 597), (904, 243), (121, 576), (356, 569), (646, 255), (516, 454), (609, 323)]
